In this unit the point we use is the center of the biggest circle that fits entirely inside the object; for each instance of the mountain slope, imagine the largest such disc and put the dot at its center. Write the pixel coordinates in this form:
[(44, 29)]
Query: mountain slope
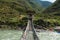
[(54, 8), (11, 10), (43, 3), (52, 13)]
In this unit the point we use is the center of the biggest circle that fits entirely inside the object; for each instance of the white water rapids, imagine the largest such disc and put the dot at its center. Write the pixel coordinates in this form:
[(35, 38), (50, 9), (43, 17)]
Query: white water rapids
[(15, 35)]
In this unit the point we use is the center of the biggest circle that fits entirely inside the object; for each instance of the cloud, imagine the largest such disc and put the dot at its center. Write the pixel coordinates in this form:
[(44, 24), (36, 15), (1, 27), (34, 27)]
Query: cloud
[(50, 0)]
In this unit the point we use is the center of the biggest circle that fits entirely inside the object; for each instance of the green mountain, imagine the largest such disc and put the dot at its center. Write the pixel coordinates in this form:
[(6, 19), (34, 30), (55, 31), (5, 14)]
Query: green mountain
[(13, 8), (54, 8), (44, 4), (13, 12), (52, 13)]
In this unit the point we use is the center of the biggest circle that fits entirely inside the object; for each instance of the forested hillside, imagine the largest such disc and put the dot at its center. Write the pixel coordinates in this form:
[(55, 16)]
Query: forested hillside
[(12, 12), (53, 13)]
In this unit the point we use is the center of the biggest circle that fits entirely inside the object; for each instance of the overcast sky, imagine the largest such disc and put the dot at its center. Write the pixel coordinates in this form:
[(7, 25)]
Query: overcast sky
[(50, 0)]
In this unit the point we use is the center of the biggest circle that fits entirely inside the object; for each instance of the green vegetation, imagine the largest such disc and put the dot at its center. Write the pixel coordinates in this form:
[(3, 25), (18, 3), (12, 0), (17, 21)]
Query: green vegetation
[(13, 13), (53, 13)]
